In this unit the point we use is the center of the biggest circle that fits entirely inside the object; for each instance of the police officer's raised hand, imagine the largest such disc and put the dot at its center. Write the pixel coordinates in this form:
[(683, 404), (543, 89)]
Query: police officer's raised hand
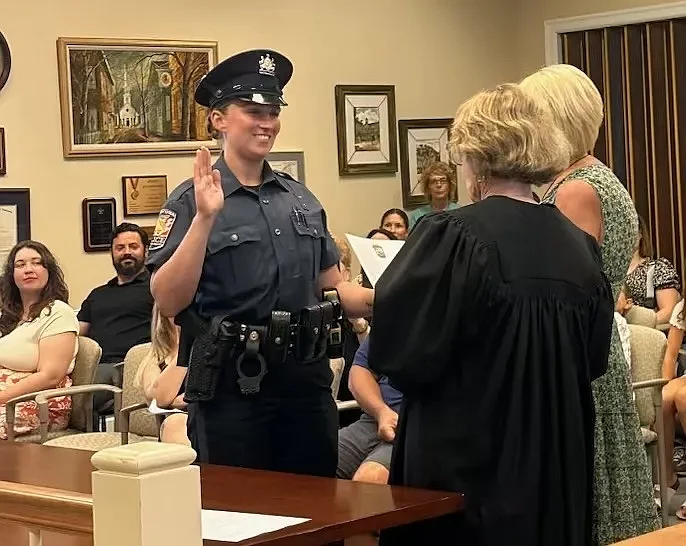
[(209, 196)]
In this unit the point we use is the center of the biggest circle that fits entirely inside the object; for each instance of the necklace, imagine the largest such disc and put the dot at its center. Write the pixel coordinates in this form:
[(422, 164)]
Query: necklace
[(558, 180)]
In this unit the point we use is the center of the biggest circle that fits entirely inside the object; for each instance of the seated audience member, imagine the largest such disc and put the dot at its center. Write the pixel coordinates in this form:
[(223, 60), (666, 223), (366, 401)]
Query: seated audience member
[(365, 446), (397, 222), (355, 331), (117, 315), (654, 283), (674, 394), (38, 336), (440, 188), (493, 320), (162, 380)]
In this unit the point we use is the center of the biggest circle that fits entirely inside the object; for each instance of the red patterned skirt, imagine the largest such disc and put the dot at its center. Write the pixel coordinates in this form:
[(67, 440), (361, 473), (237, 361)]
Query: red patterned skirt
[(26, 413)]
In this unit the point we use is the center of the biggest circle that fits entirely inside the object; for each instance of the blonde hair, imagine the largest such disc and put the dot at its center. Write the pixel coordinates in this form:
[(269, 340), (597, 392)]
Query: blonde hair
[(441, 169), (502, 133), (164, 343), (574, 102), (343, 250)]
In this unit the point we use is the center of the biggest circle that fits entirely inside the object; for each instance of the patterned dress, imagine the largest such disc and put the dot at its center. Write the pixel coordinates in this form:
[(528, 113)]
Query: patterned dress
[(623, 504)]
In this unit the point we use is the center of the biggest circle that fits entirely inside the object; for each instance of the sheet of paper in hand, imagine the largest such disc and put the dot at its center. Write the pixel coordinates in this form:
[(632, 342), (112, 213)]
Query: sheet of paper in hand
[(374, 255)]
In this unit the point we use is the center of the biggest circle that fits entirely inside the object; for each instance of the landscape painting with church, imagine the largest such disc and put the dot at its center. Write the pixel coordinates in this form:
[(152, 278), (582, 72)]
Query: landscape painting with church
[(132, 97)]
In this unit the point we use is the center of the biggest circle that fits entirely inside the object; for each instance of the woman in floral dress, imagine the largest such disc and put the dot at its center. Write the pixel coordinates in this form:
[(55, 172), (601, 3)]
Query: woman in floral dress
[(592, 197)]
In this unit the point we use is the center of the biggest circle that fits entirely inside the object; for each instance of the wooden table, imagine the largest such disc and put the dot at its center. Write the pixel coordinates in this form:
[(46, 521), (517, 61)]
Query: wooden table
[(670, 536), (338, 509)]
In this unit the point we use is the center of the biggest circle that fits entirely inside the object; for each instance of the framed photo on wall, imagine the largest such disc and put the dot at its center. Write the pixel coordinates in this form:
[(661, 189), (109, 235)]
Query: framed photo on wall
[(292, 163), (15, 219), (365, 127), (144, 195), (132, 96), (422, 141), (99, 220)]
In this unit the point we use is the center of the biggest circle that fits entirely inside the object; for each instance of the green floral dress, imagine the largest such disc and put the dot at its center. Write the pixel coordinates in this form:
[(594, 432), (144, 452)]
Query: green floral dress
[(623, 505)]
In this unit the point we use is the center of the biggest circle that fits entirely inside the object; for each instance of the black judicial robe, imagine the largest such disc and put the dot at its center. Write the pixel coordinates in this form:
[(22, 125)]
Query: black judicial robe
[(493, 320)]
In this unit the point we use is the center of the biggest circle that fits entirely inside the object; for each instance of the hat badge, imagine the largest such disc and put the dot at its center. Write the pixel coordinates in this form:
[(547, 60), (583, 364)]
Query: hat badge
[(267, 65)]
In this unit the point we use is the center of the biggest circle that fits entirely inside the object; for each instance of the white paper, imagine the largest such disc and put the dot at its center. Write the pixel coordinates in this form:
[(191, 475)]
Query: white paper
[(237, 526), (8, 231), (374, 255), (156, 410)]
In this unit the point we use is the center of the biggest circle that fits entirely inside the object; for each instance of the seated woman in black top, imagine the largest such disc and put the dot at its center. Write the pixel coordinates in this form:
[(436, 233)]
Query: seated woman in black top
[(492, 321), (162, 380)]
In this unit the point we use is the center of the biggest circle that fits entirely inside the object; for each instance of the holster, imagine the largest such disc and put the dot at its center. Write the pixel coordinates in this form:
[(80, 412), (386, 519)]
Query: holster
[(210, 344)]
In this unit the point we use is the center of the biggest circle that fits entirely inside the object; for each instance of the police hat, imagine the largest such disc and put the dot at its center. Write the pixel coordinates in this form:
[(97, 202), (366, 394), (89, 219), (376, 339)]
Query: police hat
[(256, 76)]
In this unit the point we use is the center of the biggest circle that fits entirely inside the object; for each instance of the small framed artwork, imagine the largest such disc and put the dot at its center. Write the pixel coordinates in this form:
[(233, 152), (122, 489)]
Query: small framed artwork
[(365, 125), (291, 163), (133, 97), (422, 142), (15, 219), (143, 195), (99, 220), (3, 156)]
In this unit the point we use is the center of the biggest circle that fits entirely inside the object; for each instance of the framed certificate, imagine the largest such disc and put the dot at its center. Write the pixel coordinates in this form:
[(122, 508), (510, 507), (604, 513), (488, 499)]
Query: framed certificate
[(144, 195), (99, 220)]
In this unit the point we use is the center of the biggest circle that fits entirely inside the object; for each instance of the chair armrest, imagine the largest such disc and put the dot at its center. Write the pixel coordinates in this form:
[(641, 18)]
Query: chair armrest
[(125, 415), (660, 382), (347, 405), (43, 397)]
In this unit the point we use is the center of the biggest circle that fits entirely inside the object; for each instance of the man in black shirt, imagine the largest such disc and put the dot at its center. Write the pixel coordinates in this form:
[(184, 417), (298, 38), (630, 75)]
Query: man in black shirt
[(118, 314)]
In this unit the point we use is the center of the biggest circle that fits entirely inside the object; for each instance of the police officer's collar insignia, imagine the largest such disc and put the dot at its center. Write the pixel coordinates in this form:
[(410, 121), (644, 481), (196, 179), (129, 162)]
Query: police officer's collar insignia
[(165, 221), (267, 65)]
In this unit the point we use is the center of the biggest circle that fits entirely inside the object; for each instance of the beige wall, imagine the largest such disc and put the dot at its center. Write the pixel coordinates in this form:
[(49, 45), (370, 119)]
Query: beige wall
[(436, 53), (534, 13)]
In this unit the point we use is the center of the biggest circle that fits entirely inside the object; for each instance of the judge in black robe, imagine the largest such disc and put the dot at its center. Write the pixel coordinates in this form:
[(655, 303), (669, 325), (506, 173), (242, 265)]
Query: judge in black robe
[(492, 321)]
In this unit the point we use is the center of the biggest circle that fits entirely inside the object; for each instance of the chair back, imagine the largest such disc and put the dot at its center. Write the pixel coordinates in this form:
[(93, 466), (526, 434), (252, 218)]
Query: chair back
[(647, 353), (141, 422), (641, 316), (85, 366), (337, 365)]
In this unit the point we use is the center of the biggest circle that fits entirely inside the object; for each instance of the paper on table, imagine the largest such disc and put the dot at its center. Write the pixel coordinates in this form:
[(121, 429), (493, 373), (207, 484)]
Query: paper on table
[(374, 254), (237, 526)]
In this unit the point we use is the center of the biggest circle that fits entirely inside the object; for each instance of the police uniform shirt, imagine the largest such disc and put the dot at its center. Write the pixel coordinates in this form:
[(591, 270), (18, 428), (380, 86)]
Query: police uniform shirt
[(265, 249)]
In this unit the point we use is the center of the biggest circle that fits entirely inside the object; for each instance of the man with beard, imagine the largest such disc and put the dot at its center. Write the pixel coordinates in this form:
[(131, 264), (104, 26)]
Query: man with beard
[(118, 314)]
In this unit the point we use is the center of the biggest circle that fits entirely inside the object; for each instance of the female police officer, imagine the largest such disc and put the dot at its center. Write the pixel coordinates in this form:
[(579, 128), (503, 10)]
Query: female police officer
[(242, 241)]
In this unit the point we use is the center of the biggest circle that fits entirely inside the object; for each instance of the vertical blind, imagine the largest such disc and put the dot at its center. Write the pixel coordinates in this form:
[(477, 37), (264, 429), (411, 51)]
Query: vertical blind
[(641, 72)]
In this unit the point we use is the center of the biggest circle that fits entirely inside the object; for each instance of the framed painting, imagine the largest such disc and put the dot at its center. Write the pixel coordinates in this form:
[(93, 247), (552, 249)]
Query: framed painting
[(365, 126), (15, 219), (422, 142), (292, 163), (133, 97)]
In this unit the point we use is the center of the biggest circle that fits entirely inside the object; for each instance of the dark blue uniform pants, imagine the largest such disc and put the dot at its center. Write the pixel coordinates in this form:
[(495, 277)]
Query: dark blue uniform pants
[(277, 429)]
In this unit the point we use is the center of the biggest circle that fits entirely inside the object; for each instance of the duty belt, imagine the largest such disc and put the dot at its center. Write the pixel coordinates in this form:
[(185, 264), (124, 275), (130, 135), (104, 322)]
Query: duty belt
[(310, 335)]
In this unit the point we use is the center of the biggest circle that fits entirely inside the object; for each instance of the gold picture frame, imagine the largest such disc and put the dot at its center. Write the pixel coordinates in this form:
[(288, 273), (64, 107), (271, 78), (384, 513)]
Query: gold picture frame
[(134, 97), (144, 195)]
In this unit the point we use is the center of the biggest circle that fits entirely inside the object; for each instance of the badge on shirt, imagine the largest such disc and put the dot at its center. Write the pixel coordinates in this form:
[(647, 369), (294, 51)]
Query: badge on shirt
[(165, 221)]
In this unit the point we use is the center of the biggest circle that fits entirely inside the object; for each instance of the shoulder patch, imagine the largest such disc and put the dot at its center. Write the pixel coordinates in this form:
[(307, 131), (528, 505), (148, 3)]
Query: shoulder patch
[(165, 221)]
